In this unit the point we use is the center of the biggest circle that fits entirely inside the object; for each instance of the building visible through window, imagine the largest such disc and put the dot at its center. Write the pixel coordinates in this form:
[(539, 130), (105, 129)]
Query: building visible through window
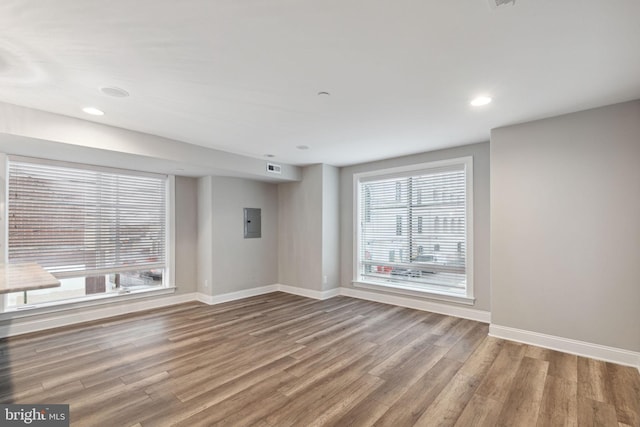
[(414, 228), (98, 230)]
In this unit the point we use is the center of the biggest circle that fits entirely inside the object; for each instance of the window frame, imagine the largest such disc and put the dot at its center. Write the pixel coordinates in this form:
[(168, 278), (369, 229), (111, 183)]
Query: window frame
[(168, 285), (396, 286)]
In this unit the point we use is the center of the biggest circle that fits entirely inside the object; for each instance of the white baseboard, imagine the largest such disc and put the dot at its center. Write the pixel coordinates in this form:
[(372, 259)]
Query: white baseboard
[(321, 295), (69, 317), (419, 304), (464, 312), (42, 322), (246, 293), (232, 296), (566, 345), (65, 318)]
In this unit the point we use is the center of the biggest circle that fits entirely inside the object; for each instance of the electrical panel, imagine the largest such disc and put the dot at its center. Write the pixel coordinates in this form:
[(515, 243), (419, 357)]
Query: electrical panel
[(252, 223)]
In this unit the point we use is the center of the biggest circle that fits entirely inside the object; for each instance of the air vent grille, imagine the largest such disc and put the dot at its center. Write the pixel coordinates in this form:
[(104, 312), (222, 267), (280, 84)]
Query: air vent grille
[(274, 168)]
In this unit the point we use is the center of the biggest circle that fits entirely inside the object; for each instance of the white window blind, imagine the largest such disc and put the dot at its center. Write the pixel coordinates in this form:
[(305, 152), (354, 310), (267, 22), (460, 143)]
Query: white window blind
[(82, 222), (413, 229)]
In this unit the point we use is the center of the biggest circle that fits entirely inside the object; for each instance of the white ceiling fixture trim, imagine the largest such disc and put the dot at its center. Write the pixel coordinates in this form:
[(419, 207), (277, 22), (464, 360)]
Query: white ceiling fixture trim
[(93, 111)]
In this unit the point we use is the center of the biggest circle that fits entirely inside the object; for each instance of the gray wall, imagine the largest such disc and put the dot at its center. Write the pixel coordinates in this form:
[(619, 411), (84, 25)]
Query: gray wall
[(480, 153), (227, 262), (565, 221), (300, 222), (186, 234), (205, 235), (240, 263), (330, 227)]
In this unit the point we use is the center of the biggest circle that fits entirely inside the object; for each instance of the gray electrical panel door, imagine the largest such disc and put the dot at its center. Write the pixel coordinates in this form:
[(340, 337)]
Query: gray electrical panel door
[(252, 223)]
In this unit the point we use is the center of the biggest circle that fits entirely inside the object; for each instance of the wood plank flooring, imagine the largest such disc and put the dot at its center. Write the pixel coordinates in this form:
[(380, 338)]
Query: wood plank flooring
[(284, 360)]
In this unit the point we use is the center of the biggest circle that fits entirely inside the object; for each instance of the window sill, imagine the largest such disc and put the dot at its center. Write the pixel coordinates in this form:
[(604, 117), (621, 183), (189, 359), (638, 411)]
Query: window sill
[(83, 302), (411, 291)]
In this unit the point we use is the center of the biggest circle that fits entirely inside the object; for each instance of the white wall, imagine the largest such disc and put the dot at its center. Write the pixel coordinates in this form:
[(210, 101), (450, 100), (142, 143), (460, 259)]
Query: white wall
[(480, 153), (565, 226)]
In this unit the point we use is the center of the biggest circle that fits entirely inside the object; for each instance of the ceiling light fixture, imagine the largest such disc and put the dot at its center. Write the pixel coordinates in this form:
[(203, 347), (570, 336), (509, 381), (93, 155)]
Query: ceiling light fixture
[(269, 155), (116, 92), (480, 101), (302, 147), (93, 111), (324, 93)]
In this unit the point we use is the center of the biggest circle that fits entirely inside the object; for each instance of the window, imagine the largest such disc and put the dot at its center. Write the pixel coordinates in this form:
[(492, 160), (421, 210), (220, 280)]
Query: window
[(98, 230), (414, 228)]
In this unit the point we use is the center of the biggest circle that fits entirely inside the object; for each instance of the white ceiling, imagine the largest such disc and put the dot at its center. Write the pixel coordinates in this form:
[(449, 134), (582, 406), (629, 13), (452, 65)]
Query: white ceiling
[(243, 76)]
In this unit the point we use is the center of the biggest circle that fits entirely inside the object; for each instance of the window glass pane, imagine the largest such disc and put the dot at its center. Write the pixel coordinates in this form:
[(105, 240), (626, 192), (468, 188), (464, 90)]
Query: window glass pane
[(81, 222), (100, 231), (80, 287), (413, 231)]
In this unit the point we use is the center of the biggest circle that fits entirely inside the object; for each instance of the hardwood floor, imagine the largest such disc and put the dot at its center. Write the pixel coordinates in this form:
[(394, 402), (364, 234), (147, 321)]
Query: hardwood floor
[(284, 360)]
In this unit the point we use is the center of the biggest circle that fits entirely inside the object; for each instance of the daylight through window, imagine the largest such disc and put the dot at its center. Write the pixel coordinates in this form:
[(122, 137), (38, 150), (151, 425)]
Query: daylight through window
[(414, 228)]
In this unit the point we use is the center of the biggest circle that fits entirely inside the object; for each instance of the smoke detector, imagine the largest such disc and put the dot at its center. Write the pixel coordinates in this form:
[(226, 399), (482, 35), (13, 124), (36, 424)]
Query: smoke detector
[(494, 4)]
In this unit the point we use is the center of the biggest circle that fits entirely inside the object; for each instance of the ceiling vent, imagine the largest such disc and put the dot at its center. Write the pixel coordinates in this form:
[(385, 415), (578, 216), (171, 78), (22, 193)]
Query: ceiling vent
[(498, 3), (273, 168)]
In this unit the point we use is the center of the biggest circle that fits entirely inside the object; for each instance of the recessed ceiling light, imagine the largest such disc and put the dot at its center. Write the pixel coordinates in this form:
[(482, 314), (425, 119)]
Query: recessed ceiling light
[(480, 101), (269, 155), (302, 147), (93, 111), (323, 93), (116, 92)]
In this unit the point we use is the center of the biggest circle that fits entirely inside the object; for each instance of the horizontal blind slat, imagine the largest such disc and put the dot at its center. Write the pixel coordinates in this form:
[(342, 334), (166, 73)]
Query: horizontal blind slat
[(413, 228), (74, 220)]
